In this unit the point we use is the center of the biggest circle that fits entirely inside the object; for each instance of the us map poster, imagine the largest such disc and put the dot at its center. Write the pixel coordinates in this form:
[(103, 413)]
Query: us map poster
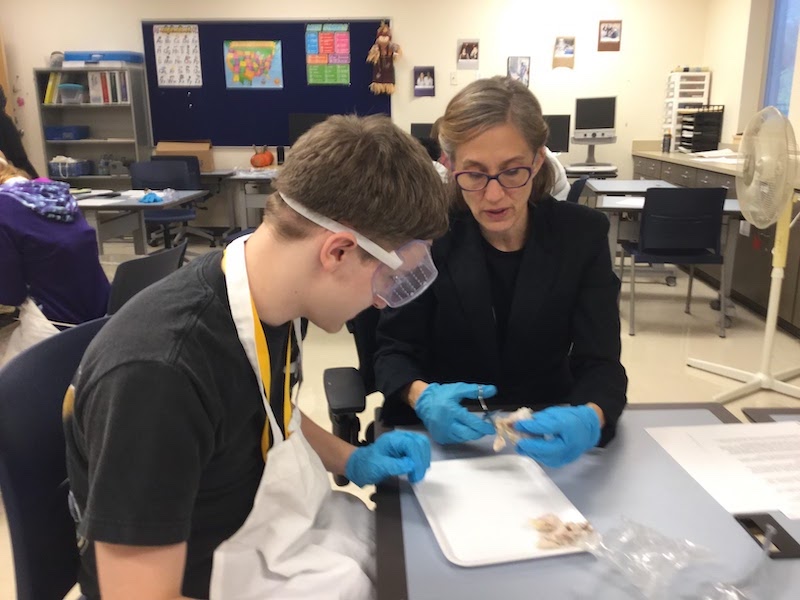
[(328, 54), (178, 55), (253, 64)]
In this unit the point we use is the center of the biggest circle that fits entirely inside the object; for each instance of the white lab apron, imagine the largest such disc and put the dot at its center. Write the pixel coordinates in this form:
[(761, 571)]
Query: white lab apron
[(301, 539)]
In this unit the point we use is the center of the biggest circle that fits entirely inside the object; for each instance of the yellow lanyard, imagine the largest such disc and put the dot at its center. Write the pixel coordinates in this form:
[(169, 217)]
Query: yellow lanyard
[(265, 372), (264, 366)]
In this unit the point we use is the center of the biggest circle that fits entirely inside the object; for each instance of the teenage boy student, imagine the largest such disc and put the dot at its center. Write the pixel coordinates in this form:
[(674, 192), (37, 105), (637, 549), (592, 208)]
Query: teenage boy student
[(174, 465)]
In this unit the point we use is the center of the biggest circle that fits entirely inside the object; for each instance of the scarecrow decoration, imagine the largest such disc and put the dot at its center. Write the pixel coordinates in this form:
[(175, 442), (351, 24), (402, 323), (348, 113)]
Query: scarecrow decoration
[(382, 56)]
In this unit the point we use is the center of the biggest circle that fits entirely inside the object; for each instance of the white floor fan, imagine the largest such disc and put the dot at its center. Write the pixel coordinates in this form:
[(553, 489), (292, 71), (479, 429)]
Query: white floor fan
[(765, 188)]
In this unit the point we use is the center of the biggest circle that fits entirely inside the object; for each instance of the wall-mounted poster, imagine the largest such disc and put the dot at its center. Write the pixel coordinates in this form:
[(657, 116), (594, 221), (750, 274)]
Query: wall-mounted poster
[(519, 68), (467, 54), (424, 82), (609, 36), (564, 52), (328, 54), (177, 50), (253, 65)]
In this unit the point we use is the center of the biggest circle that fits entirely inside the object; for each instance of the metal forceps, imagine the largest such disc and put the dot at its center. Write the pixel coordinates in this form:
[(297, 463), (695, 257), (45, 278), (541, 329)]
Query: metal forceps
[(486, 414)]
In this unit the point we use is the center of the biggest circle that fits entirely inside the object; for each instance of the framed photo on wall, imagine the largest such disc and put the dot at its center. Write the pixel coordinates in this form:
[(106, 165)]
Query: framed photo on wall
[(609, 36), (519, 68)]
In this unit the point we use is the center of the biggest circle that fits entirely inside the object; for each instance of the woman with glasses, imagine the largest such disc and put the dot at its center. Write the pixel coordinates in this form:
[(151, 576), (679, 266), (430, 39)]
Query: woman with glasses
[(525, 305)]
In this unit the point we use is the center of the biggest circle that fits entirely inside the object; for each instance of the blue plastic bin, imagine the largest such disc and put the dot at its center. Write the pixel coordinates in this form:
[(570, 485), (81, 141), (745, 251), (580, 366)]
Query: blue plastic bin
[(96, 56), (66, 132)]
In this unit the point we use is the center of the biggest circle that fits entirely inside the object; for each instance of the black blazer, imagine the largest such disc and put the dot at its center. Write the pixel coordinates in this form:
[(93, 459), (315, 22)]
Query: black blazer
[(562, 344)]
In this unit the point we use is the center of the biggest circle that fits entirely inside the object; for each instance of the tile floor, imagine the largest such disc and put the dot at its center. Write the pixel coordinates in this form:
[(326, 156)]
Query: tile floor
[(655, 360)]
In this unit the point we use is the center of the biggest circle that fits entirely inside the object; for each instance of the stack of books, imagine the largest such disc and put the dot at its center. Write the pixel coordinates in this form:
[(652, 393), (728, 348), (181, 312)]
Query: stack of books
[(108, 87)]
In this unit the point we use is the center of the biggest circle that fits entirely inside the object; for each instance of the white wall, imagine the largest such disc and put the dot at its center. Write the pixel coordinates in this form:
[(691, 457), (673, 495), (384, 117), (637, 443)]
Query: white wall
[(656, 36), (736, 47)]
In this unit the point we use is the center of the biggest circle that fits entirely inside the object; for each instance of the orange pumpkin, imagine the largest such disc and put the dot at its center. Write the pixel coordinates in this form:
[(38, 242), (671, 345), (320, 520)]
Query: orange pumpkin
[(261, 158)]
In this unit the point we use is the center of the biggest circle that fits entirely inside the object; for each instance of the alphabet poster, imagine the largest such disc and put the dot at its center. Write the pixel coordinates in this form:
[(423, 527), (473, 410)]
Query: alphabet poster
[(178, 55)]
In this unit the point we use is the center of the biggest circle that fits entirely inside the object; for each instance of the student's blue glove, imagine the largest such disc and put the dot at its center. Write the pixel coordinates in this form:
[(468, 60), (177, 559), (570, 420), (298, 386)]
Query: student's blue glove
[(439, 408), (393, 453), (569, 432)]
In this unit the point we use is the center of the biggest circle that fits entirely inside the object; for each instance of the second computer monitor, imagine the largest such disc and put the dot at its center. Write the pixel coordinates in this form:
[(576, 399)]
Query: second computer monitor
[(299, 123), (558, 138), (594, 117)]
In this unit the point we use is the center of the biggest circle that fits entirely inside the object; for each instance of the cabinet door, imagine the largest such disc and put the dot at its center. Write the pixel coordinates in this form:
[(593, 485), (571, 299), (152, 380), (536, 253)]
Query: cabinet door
[(753, 270)]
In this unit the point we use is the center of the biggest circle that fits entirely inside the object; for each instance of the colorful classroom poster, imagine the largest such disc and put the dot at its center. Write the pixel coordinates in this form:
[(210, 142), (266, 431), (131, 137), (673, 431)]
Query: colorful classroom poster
[(328, 54), (178, 55), (253, 65)]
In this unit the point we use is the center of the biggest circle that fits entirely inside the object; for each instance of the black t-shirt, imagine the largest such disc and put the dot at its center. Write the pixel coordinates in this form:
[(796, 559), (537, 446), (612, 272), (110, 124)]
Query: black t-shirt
[(164, 442), (503, 268)]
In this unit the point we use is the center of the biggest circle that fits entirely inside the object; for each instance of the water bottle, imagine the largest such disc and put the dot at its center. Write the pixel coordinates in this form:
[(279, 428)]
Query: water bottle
[(666, 142)]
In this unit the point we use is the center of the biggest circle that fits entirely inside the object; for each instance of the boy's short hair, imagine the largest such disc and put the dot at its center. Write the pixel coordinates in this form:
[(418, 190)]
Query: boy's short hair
[(365, 173)]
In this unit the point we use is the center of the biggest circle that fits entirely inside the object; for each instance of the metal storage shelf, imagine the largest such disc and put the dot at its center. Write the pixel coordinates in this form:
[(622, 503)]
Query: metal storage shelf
[(117, 130)]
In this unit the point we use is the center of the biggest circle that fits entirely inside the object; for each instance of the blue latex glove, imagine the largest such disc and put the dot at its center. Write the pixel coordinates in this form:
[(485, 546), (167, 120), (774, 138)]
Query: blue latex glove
[(439, 408), (151, 198), (569, 432), (393, 453)]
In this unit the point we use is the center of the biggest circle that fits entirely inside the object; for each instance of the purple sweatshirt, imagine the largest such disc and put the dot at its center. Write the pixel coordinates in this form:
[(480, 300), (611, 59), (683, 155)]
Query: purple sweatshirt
[(53, 262)]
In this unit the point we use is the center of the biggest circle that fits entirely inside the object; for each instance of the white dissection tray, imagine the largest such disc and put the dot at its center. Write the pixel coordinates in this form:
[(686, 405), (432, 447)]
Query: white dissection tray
[(480, 509)]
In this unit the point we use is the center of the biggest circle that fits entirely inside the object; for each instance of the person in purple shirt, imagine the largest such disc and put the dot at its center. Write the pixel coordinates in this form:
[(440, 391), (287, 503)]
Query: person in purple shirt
[(48, 251)]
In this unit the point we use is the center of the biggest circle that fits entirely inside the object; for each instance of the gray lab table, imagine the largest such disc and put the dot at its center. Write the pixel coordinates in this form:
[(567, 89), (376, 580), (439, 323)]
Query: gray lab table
[(120, 216), (634, 477), (767, 415)]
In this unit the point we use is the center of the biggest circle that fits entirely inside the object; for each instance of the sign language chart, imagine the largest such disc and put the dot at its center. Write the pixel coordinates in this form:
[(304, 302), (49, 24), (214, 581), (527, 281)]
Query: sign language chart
[(178, 55)]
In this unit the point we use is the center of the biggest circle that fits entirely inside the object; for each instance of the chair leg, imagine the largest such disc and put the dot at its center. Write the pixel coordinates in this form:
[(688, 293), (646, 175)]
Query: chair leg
[(167, 237), (631, 326), (688, 309), (723, 302)]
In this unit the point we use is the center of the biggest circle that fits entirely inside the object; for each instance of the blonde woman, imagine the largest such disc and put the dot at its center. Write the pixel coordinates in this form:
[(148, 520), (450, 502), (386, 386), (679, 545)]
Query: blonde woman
[(526, 299)]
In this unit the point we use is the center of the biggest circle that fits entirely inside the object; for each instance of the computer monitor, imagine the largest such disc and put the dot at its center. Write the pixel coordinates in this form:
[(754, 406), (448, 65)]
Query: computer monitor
[(594, 117), (558, 139), (299, 123), (421, 131)]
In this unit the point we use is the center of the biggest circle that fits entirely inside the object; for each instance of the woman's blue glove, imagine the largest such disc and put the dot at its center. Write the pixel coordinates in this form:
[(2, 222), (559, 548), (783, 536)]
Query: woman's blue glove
[(439, 408), (568, 432), (393, 453)]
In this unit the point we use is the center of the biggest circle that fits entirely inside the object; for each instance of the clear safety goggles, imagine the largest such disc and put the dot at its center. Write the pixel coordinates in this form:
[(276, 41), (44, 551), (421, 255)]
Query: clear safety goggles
[(402, 275)]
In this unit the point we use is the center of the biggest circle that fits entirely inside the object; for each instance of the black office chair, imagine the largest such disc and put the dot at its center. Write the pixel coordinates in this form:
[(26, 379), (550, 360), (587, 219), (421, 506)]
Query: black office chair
[(347, 388), (680, 226), (133, 276), (576, 189), (212, 234), (33, 462), (159, 176)]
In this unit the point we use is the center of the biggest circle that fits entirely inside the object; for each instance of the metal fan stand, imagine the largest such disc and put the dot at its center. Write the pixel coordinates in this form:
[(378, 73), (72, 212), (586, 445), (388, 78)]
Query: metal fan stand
[(764, 379)]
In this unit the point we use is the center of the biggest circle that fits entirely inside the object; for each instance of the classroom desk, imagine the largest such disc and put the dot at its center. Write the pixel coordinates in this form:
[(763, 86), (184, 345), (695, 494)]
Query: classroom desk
[(244, 201), (633, 477), (219, 176), (624, 187), (115, 217), (614, 206), (768, 415)]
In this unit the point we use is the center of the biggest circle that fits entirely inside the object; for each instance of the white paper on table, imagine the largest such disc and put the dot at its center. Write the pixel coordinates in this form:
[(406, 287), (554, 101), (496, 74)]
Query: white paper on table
[(715, 153), (136, 194), (726, 160), (633, 202), (90, 202), (745, 467)]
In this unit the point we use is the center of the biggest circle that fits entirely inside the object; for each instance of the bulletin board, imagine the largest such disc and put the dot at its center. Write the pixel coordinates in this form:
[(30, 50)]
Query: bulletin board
[(212, 110)]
